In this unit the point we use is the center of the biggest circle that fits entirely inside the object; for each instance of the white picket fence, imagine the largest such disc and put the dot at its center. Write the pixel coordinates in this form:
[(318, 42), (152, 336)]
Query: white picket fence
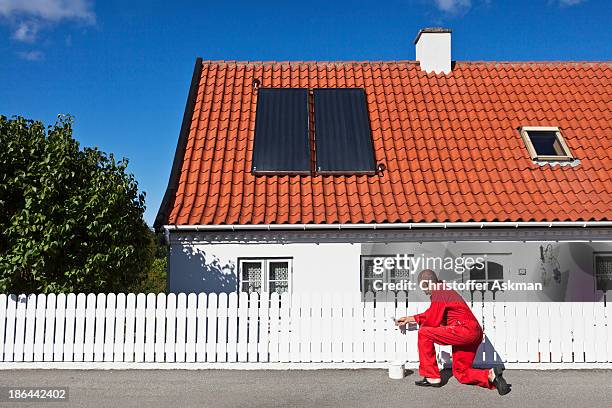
[(313, 328)]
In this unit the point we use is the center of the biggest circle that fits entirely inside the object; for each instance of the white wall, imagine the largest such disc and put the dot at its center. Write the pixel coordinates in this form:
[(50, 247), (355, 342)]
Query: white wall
[(212, 267), (326, 267)]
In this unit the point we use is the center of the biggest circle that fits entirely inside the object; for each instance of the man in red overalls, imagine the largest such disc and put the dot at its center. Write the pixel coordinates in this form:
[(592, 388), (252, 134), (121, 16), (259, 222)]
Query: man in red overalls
[(449, 321)]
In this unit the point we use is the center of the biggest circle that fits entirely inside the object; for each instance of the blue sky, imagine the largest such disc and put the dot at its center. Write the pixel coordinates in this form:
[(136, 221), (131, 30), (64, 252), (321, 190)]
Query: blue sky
[(122, 68)]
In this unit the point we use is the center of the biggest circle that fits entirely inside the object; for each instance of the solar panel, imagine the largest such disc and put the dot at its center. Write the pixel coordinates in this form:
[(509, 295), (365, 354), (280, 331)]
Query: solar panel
[(342, 132), (281, 142)]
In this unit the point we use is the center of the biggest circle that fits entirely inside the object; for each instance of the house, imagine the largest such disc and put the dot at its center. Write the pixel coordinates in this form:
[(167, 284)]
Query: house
[(306, 176)]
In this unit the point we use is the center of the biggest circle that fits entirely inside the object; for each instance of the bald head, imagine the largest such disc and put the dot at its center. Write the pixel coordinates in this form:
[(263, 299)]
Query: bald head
[(428, 275), (427, 280)]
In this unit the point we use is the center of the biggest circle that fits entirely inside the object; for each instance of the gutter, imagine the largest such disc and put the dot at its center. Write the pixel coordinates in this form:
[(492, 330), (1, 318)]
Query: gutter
[(410, 226)]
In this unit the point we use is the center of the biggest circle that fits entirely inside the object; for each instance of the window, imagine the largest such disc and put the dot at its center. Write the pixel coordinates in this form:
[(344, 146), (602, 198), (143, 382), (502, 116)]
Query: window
[(490, 270), (603, 272), (545, 143), (265, 275), (395, 274)]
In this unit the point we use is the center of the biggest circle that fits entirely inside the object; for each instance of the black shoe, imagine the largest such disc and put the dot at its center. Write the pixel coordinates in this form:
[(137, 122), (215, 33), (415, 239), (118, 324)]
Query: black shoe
[(425, 383), (502, 386)]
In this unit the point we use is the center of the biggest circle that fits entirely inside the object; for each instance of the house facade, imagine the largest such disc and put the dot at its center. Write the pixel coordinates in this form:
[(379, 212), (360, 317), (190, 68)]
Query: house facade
[(309, 176)]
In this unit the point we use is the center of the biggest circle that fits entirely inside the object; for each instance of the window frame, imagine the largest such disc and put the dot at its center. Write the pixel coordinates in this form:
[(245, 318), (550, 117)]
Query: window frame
[(524, 131), (385, 275), (265, 281), (595, 256), (496, 257)]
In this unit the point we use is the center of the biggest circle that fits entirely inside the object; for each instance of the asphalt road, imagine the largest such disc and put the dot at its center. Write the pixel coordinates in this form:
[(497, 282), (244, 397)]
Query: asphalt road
[(316, 388)]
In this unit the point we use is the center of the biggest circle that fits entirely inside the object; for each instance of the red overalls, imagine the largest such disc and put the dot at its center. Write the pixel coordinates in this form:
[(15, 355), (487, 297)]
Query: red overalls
[(461, 330)]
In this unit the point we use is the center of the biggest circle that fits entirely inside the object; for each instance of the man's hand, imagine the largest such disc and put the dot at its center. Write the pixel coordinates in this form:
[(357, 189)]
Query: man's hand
[(402, 321)]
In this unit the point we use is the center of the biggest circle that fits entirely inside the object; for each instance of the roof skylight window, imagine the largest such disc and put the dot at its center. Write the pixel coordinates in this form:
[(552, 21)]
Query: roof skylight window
[(545, 143)]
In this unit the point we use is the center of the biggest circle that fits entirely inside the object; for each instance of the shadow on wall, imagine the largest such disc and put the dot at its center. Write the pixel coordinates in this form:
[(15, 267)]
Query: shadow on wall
[(192, 270)]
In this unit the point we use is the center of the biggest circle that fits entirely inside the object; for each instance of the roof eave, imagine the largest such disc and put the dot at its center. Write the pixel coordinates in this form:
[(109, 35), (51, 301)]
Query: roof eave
[(493, 224)]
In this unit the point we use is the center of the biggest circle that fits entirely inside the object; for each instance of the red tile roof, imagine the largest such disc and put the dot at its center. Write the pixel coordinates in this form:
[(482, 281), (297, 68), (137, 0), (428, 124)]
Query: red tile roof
[(449, 142)]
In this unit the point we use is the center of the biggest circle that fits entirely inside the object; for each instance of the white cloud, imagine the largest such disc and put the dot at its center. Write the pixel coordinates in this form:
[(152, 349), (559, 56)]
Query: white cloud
[(31, 55), (570, 2), (26, 31), (27, 17), (50, 10), (453, 6)]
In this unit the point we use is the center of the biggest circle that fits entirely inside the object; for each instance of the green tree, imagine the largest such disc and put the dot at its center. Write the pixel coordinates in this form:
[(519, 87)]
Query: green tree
[(71, 219)]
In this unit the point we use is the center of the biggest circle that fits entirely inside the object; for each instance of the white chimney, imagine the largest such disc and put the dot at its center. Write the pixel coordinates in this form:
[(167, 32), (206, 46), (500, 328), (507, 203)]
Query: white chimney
[(433, 49)]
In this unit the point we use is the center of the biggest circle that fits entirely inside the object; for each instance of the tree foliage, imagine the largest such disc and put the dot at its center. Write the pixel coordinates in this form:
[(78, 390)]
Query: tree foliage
[(71, 219)]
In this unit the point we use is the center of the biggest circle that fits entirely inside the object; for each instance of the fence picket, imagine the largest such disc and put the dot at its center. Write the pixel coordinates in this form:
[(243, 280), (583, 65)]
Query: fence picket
[(2, 323), (544, 338), (274, 313), (109, 327), (522, 333), (253, 327), (304, 327), (590, 334), (608, 314), (211, 338), (79, 326), (577, 327), (357, 328), (201, 328), (400, 310), (601, 333), (49, 327), (336, 329), (20, 320), (294, 324), (160, 328), (181, 326), (99, 327), (119, 328), (264, 327), (389, 327), (243, 310), (369, 352), (170, 344), (283, 348), (232, 328), (325, 328), (149, 340), (69, 337), (28, 348), (315, 327), (222, 327), (556, 353), (379, 326), (566, 332), (9, 339), (139, 322), (60, 329), (190, 348), (347, 320), (412, 353), (533, 332), (130, 327)]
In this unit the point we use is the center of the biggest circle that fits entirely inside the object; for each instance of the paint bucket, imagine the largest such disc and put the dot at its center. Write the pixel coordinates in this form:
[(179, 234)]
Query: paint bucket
[(396, 370)]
